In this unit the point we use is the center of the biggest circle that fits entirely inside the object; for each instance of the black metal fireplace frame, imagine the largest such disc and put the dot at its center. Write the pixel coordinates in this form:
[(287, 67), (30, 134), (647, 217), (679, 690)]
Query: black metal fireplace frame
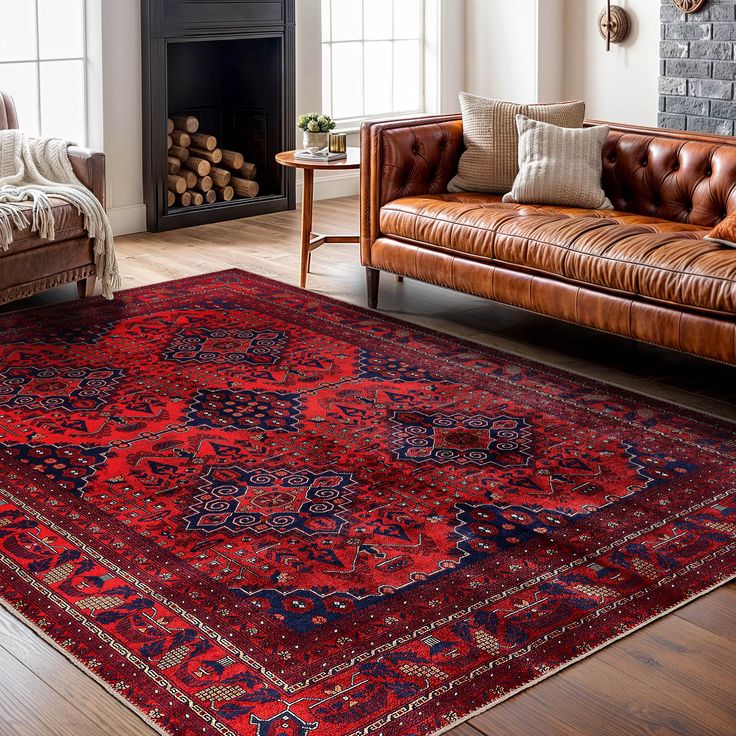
[(177, 21)]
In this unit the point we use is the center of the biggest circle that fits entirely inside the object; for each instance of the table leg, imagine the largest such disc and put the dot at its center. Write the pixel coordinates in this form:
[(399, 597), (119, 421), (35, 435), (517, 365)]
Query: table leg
[(307, 203)]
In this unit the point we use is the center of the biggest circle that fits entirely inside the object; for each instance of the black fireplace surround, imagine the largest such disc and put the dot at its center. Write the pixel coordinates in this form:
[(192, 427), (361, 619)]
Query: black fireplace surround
[(231, 64)]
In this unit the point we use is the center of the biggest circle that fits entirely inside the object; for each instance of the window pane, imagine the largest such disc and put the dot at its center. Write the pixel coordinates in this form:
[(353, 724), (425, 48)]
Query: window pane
[(347, 20), (347, 80), (61, 28), (327, 79), (378, 90), (326, 23), (17, 30), (62, 100), (408, 19), (408, 86), (21, 83), (378, 19)]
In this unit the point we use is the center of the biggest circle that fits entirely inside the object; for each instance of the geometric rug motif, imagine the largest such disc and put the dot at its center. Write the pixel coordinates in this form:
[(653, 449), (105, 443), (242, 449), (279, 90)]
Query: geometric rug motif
[(461, 438)]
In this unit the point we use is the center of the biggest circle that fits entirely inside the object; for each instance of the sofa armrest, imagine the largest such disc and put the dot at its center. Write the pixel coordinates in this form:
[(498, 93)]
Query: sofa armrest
[(89, 168), (404, 158)]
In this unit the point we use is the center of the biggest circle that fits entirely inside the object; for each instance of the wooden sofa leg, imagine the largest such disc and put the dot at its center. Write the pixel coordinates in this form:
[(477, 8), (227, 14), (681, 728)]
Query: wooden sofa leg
[(86, 287), (371, 281)]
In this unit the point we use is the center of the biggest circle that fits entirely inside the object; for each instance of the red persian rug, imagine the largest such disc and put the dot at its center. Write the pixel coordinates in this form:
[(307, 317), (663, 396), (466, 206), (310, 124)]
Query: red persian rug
[(250, 510)]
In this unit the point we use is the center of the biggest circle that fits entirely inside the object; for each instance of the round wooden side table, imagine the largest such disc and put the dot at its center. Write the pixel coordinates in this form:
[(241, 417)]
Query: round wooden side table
[(311, 240)]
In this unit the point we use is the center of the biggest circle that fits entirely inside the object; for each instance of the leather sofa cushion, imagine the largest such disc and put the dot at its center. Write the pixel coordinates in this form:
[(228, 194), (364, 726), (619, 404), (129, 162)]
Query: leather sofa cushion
[(621, 251), (68, 224)]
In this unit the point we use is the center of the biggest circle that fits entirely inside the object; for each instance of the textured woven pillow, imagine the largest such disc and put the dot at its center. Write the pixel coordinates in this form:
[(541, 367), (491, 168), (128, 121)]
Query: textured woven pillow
[(559, 166), (724, 232), (490, 161)]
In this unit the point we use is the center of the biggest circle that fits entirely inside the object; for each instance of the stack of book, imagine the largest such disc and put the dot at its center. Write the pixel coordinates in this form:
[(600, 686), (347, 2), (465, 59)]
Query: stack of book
[(322, 155)]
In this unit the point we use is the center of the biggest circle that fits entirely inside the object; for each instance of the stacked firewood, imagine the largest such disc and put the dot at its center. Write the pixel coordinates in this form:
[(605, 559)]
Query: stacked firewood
[(199, 172)]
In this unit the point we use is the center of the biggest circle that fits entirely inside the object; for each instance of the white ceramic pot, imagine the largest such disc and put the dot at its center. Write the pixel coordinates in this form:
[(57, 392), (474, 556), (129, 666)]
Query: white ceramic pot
[(318, 140)]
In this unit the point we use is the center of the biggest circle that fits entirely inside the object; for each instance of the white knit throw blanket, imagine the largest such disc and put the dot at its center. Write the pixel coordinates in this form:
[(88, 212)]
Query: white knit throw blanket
[(33, 169)]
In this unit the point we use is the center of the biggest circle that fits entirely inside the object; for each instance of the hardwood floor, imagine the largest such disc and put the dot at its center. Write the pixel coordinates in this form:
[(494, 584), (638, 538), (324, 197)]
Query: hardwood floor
[(675, 676)]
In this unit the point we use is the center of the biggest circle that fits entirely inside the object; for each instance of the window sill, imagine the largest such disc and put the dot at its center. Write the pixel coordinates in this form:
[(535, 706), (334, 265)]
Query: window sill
[(353, 125)]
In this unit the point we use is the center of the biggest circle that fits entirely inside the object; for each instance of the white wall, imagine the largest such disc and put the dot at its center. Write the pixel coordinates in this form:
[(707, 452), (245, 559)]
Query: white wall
[(122, 114), (545, 50), (514, 50), (500, 43), (621, 85), (551, 46)]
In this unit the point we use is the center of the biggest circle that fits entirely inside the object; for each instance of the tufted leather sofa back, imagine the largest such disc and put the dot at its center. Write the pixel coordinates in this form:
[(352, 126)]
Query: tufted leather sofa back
[(428, 162), (684, 177), (681, 176), (8, 118)]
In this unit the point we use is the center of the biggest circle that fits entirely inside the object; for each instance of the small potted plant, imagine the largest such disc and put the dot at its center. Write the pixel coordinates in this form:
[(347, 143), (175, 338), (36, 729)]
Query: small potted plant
[(316, 129)]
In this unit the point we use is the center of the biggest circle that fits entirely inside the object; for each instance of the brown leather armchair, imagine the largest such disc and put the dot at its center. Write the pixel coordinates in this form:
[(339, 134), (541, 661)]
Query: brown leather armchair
[(31, 264)]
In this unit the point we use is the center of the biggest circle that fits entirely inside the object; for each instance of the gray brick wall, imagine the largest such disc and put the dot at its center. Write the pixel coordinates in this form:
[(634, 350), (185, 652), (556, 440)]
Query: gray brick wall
[(698, 68)]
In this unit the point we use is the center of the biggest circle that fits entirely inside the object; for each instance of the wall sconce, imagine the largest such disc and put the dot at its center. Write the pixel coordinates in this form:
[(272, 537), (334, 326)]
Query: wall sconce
[(614, 24)]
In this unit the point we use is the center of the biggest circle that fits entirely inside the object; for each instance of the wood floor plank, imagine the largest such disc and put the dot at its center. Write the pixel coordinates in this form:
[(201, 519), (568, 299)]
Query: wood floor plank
[(621, 708), (715, 613), (673, 677), (67, 680), (684, 660), (465, 729), (29, 707)]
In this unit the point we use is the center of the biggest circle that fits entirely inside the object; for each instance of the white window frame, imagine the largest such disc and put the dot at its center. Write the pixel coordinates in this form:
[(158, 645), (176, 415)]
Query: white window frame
[(353, 123), (37, 61)]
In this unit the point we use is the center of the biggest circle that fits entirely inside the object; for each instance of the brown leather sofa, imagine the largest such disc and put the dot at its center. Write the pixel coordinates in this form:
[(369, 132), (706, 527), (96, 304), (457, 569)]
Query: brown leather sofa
[(642, 270), (32, 264)]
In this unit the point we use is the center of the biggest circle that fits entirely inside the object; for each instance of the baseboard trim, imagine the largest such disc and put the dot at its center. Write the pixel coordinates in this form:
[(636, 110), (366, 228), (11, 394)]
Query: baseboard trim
[(126, 220), (132, 219), (331, 186)]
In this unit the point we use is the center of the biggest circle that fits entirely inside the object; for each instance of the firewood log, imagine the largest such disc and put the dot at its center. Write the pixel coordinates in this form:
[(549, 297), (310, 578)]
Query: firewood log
[(169, 142), (197, 197), (224, 194), (198, 165), (232, 159), (203, 184), (244, 187), (191, 178), (181, 138), (179, 152), (185, 199), (169, 126), (210, 196), (186, 122), (170, 198), (248, 171), (177, 183), (220, 177), (202, 140), (173, 164), (214, 157)]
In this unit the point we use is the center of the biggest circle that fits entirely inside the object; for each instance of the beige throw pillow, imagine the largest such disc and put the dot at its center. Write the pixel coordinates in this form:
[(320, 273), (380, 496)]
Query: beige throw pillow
[(559, 166), (490, 161)]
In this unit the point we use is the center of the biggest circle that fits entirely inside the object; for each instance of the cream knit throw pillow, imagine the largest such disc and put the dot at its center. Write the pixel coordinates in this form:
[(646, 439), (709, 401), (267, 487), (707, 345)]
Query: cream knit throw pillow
[(559, 166), (490, 161)]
